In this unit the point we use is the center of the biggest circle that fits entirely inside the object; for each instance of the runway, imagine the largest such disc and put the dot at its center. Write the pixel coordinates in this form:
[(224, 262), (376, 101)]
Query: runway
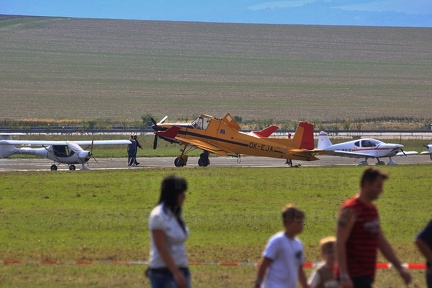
[(39, 164)]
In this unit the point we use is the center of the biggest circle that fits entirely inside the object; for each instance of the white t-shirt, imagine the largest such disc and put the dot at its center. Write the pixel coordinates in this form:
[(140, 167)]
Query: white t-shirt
[(287, 256), (164, 220)]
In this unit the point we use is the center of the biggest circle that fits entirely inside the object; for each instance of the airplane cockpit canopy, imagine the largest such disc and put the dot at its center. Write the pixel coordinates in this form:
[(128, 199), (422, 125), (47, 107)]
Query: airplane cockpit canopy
[(369, 143), (62, 151), (201, 123)]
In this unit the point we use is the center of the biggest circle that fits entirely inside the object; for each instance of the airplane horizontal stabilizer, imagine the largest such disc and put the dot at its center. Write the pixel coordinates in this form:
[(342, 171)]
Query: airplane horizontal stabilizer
[(170, 133), (264, 133), (407, 153)]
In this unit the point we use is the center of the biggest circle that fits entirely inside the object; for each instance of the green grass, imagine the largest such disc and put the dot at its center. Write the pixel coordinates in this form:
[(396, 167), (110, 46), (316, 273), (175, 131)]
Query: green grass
[(231, 212)]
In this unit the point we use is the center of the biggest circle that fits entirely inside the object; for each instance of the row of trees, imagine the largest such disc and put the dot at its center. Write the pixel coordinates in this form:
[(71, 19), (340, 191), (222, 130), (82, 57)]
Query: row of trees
[(291, 124)]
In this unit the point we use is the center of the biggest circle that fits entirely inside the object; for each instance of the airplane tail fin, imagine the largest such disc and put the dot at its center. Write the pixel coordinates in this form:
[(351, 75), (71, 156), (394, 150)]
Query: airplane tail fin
[(6, 150), (303, 137), (323, 141)]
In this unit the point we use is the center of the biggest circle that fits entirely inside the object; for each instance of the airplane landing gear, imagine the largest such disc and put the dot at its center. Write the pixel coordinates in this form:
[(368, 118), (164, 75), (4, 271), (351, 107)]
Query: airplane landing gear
[(380, 162), (180, 161), (391, 162), (204, 159), (363, 163), (53, 167), (72, 167)]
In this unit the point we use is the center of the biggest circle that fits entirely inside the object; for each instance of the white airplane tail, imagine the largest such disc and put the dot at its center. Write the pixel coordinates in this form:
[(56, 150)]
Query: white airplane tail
[(323, 141), (7, 150)]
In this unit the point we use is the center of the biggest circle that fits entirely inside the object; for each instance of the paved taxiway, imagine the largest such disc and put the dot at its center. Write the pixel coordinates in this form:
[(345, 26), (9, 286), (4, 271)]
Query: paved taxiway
[(36, 164)]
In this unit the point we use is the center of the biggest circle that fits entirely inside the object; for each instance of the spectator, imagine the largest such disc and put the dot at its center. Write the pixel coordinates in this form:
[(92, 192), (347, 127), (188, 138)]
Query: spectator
[(424, 245), (283, 256), (323, 276), (359, 235), (168, 265)]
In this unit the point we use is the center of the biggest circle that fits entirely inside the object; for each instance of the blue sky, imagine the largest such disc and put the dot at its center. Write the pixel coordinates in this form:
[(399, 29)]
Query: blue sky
[(405, 13)]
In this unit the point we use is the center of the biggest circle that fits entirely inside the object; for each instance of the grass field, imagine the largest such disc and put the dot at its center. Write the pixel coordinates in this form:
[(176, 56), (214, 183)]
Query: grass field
[(88, 69), (231, 212)]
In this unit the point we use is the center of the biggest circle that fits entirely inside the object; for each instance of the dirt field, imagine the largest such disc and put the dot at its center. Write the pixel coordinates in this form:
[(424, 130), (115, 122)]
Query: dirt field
[(87, 69)]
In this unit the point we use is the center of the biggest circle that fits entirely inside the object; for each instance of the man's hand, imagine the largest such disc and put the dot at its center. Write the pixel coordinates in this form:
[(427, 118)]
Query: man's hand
[(405, 275), (346, 283)]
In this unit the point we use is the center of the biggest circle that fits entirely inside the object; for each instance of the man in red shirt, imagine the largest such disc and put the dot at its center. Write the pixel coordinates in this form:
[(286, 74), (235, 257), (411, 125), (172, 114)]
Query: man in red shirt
[(359, 235)]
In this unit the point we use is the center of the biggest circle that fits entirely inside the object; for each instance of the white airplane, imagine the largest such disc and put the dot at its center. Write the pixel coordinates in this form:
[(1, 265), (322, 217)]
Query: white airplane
[(65, 152), (363, 148), (429, 147)]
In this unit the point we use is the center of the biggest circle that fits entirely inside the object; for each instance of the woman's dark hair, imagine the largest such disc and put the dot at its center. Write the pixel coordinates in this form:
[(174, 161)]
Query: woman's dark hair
[(171, 187)]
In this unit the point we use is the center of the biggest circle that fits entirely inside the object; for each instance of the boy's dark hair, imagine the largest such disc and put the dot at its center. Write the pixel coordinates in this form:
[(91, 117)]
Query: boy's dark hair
[(171, 187), (371, 174), (291, 213)]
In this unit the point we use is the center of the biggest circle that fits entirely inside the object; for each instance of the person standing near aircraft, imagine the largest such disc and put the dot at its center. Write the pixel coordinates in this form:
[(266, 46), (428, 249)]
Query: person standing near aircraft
[(283, 256), (168, 265), (132, 148), (359, 235), (136, 150), (289, 161), (424, 245)]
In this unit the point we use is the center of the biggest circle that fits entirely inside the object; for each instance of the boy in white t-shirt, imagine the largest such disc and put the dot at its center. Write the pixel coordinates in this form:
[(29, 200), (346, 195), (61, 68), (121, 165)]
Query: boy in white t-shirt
[(283, 257)]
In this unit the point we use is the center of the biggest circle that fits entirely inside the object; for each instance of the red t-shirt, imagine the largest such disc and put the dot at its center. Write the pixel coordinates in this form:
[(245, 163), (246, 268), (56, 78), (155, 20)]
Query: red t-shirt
[(362, 244)]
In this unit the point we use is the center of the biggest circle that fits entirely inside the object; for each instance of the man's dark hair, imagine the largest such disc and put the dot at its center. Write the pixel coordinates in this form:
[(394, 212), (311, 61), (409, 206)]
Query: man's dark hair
[(371, 174), (171, 187)]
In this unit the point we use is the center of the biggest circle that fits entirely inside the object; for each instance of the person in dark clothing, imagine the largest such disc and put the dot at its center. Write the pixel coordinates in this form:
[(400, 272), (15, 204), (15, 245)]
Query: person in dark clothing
[(424, 245), (132, 148), (137, 146)]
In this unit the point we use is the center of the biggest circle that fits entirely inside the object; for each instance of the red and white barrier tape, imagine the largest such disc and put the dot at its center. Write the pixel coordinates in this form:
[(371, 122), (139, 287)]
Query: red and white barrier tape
[(411, 266)]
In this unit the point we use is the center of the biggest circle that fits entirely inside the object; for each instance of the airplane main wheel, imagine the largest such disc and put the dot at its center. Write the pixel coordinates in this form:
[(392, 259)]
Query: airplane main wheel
[(53, 168), (203, 162), (179, 162), (72, 167)]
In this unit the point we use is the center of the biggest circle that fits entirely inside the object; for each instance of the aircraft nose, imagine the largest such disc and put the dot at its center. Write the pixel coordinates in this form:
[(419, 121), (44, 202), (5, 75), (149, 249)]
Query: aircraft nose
[(84, 156)]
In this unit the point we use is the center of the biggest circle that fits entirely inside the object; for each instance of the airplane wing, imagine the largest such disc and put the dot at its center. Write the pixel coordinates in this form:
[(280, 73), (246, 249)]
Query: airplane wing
[(32, 142), (47, 143), (426, 153), (103, 142), (306, 155), (407, 153), (205, 146)]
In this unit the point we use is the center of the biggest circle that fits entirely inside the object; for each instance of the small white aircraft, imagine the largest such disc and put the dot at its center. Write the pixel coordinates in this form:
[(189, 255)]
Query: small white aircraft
[(363, 148), (65, 152), (429, 147)]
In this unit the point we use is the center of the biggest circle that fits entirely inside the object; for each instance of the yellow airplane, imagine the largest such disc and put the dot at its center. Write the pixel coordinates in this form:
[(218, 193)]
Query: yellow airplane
[(223, 137)]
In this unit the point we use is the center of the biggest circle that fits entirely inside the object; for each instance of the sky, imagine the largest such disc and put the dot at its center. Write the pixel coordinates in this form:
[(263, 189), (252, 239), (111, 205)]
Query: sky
[(399, 13)]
